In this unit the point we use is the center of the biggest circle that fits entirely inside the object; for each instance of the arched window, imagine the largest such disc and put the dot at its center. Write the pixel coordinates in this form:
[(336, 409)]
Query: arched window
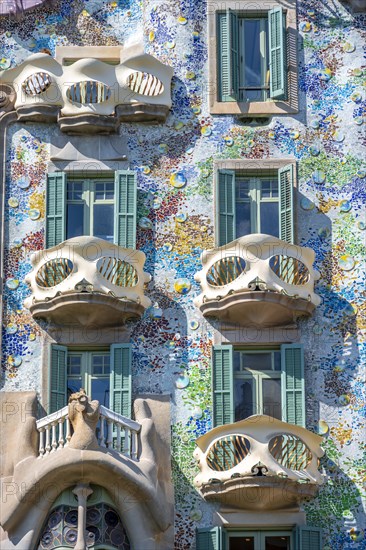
[(104, 529)]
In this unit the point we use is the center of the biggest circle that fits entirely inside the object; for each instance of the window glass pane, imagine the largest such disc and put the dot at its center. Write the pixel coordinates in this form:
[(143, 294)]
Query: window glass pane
[(277, 360), (243, 398), (74, 364), (258, 361), (104, 221), (252, 56), (99, 191), (277, 542), (265, 189), (75, 190), (100, 390), (100, 364), (269, 218), (236, 360), (109, 186), (274, 187), (241, 543), (74, 220), (243, 226), (271, 391), (242, 189), (73, 386)]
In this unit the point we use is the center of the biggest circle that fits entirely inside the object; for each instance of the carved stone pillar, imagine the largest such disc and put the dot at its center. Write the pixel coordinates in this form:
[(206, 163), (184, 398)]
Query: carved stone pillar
[(82, 491)]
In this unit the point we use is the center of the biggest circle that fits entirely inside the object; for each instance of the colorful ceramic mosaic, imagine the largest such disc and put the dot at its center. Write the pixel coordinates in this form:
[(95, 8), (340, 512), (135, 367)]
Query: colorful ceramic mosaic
[(174, 163)]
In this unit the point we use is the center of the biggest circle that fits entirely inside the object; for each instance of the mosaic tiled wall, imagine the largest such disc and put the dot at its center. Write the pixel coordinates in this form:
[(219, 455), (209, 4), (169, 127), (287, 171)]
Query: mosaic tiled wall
[(174, 165)]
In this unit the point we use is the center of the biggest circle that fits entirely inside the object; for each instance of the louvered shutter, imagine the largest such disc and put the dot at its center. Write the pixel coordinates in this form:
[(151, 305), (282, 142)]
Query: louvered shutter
[(55, 209), (226, 206), (222, 385), (125, 209), (57, 378), (209, 539), (228, 56), (120, 379), (292, 384), (286, 214), (277, 53), (308, 538)]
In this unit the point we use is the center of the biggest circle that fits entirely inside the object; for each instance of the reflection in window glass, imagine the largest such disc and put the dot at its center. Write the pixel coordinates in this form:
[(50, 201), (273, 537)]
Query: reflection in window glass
[(277, 543), (271, 391), (269, 218), (241, 543), (75, 220), (243, 398), (104, 221)]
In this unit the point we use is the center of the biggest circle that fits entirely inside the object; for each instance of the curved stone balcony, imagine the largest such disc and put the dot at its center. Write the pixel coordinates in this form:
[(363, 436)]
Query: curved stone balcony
[(259, 463), (257, 280), (87, 281), (81, 444), (91, 95)]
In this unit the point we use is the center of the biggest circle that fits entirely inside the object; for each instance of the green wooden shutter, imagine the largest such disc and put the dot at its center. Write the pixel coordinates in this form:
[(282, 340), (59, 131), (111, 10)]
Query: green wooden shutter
[(308, 538), (57, 378), (226, 206), (277, 53), (228, 56), (125, 209), (209, 539), (292, 384), (286, 211), (222, 385), (120, 379), (55, 209)]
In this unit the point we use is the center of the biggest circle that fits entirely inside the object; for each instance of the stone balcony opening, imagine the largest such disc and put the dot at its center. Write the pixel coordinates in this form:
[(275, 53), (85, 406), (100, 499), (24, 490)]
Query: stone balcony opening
[(257, 280), (87, 281), (259, 463)]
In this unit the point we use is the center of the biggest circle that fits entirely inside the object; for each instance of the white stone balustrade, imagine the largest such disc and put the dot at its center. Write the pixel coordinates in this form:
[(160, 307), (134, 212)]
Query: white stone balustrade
[(114, 431), (260, 453), (87, 280), (257, 279)]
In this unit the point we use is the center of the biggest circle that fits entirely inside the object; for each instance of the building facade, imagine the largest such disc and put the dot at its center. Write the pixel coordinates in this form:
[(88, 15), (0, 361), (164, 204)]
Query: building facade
[(183, 268)]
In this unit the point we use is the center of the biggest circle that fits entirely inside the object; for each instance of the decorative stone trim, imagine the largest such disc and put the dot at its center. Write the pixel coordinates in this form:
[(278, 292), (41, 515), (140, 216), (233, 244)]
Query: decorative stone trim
[(257, 279), (91, 95), (259, 463)]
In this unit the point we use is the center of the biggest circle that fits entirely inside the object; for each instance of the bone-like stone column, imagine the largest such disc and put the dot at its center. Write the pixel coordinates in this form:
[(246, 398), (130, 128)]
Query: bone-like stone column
[(82, 491)]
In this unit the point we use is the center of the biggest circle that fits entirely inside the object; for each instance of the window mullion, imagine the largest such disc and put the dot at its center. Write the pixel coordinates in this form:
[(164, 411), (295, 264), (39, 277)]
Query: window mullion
[(85, 370), (89, 201)]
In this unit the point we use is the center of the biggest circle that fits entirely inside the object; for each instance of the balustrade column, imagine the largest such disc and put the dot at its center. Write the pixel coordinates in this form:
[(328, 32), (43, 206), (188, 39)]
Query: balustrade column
[(82, 491)]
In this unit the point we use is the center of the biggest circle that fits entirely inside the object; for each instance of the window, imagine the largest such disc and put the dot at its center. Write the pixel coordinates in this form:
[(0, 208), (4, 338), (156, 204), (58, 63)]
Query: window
[(257, 383), (89, 370), (103, 206), (105, 375), (259, 540), (298, 538), (253, 58), (255, 203), (251, 381), (90, 208)]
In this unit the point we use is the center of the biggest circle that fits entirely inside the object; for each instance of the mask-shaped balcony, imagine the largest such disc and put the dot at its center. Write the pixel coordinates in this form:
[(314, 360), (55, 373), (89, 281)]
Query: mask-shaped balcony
[(259, 463), (87, 281), (257, 280), (91, 95)]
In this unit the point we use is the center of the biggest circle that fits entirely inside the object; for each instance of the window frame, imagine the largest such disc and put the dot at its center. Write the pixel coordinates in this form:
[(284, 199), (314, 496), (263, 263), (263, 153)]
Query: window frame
[(260, 168), (254, 197), (124, 211), (86, 373), (292, 383), (89, 201), (257, 376), (290, 105), (259, 536), (120, 387)]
